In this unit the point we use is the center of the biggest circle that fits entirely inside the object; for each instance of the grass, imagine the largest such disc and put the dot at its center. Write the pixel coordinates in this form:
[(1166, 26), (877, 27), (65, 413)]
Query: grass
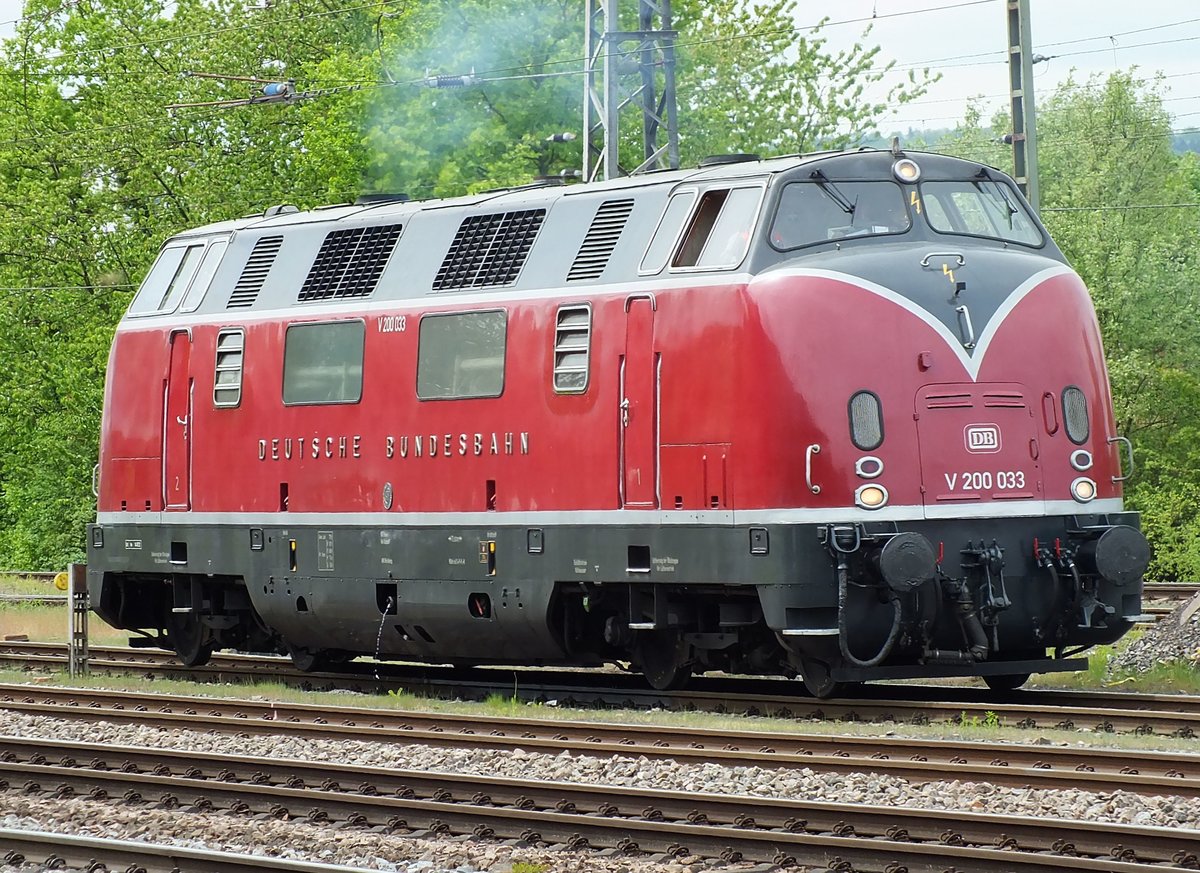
[(47, 623), (25, 585)]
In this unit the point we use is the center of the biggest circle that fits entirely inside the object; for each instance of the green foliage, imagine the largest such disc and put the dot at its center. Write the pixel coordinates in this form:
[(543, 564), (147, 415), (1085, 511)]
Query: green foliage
[(1105, 155), (528, 867), (96, 171), (988, 720)]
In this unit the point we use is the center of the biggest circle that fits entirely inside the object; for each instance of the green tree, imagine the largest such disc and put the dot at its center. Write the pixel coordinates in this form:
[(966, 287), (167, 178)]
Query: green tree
[(1115, 197)]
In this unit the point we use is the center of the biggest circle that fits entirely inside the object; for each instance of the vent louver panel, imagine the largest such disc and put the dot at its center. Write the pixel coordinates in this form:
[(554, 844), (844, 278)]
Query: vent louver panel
[(600, 241), (489, 250), (350, 263), (254, 274)]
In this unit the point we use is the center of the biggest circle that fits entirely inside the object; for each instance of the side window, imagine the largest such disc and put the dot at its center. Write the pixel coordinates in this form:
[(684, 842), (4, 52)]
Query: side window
[(720, 233), (461, 355), (659, 250), (572, 349), (167, 280), (227, 375), (204, 274), (323, 362)]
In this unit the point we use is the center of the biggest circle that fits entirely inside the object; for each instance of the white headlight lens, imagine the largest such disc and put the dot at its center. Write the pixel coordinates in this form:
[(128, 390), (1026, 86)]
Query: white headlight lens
[(906, 170), (1083, 489), (871, 496)]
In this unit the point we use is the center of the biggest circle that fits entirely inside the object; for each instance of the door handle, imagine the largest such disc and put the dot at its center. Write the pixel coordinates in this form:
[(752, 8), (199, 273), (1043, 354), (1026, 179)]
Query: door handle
[(813, 449), (625, 412)]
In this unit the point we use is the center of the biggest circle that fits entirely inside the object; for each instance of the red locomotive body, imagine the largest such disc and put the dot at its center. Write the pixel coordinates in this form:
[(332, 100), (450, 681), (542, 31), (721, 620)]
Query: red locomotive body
[(844, 415)]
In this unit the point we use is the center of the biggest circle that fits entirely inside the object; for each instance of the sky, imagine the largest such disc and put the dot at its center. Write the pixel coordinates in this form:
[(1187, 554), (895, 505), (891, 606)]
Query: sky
[(967, 40)]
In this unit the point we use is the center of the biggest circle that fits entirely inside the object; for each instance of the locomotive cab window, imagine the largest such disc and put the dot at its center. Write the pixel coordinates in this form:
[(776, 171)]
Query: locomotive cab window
[(665, 236), (461, 355), (204, 275), (979, 208), (167, 280), (822, 210), (323, 362), (719, 232)]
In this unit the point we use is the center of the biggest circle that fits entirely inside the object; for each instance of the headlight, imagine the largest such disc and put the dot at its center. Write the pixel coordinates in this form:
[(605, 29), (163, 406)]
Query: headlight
[(1083, 489), (1081, 459), (871, 496), (906, 170)]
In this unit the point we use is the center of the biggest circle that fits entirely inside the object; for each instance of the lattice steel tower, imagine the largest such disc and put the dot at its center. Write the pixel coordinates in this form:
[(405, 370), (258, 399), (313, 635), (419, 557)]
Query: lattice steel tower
[(622, 78)]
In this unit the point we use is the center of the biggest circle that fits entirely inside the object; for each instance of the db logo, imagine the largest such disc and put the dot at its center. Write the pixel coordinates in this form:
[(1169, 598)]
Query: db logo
[(982, 439)]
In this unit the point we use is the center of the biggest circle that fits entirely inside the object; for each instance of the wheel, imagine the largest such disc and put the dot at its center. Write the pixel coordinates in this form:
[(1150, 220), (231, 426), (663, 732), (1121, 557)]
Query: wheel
[(190, 638), (1007, 682), (818, 680), (664, 661)]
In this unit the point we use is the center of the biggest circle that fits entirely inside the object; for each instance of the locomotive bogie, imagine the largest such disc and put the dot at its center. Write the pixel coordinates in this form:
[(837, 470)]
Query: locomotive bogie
[(670, 422)]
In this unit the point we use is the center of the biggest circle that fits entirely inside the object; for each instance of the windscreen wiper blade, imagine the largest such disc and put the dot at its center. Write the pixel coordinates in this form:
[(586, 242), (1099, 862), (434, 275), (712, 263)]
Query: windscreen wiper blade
[(831, 191)]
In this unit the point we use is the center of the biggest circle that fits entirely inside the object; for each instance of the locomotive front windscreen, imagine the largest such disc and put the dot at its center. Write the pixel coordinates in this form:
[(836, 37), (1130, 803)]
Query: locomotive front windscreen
[(979, 208), (821, 211)]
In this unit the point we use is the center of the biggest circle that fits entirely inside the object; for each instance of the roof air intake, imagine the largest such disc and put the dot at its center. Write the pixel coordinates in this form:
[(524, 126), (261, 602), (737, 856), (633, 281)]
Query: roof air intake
[(600, 241), (254, 274), (350, 263), (489, 250)]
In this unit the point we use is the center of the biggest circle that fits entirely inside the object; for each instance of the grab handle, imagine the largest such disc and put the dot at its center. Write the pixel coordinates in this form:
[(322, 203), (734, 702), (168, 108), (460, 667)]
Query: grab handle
[(813, 449), (1129, 450)]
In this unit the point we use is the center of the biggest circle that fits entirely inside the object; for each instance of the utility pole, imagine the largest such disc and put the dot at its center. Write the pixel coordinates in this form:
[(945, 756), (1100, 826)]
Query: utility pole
[(622, 74), (1024, 121)]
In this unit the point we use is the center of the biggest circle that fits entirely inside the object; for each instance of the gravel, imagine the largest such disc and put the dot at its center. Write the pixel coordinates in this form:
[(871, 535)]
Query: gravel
[(395, 853), (1168, 640)]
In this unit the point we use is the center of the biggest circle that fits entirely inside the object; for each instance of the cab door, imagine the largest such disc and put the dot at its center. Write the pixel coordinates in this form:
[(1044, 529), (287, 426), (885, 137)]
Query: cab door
[(639, 407), (177, 425)]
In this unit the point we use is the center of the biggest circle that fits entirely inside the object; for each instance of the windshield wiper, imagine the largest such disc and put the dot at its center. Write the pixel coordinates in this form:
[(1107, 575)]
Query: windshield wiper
[(831, 191), (1012, 207)]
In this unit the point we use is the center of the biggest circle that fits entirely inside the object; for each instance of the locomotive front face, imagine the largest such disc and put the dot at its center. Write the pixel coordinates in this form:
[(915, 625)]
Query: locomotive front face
[(949, 413)]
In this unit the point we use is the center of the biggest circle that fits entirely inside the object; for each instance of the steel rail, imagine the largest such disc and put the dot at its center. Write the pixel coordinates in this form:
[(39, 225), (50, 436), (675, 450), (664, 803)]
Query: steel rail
[(51, 851), (1170, 590), (1177, 715), (730, 827), (934, 760)]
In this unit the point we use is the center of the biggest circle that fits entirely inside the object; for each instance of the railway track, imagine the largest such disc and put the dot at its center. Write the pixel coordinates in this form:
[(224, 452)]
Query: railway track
[(1170, 590), (51, 851), (576, 816), (1111, 712), (917, 761)]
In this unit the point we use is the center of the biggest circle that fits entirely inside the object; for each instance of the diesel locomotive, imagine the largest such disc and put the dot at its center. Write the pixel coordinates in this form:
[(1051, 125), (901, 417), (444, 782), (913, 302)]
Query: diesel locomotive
[(843, 416)]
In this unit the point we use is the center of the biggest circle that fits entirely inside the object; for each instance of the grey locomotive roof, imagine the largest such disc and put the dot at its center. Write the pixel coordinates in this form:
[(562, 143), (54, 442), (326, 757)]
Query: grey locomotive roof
[(420, 249)]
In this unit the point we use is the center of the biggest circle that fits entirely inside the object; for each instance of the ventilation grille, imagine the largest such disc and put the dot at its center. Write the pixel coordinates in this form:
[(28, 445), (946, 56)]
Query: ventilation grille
[(572, 348), (254, 274), (1011, 399), (350, 263), (600, 241), (489, 249), (948, 401)]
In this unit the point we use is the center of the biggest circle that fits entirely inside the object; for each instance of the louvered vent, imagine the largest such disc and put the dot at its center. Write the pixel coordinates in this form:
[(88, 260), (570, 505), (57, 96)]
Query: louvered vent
[(600, 241), (245, 292), (1012, 399), (489, 249), (572, 349), (350, 263)]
